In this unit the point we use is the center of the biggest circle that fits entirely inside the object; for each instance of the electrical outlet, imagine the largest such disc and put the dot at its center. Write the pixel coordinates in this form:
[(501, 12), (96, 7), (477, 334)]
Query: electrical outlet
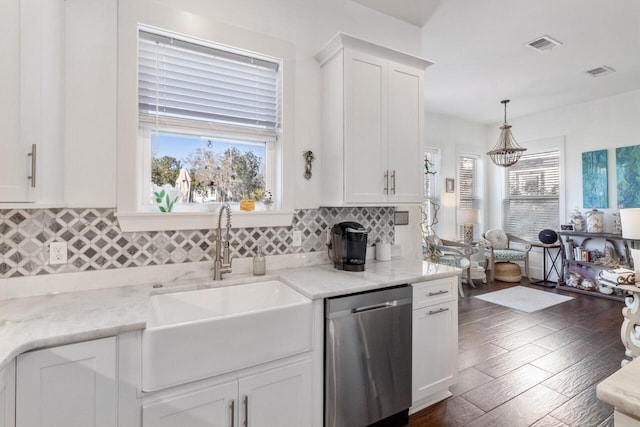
[(58, 253), (296, 238), (328, 237)]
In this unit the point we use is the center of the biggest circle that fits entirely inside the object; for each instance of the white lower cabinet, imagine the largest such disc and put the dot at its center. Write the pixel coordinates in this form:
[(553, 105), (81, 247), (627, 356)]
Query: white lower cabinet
[(8, 395), (213, 406), (435, 342), (276, 397), (72, 386)]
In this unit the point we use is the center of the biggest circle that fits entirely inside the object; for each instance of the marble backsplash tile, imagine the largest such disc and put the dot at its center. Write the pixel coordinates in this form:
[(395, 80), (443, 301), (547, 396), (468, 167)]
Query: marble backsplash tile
[(95, 241)]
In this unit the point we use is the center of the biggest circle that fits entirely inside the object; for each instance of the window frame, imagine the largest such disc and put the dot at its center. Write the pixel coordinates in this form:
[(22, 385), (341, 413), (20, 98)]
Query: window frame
[(434, 182), (479, 189), (533, 149), (130, 154)]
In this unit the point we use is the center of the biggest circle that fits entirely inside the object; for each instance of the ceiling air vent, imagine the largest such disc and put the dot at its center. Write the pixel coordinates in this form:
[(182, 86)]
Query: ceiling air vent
[(600, 71), (543, 43)]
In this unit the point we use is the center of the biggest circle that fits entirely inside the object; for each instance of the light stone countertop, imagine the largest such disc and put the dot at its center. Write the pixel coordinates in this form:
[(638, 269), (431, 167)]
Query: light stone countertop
[(49, 320), (621, 389)]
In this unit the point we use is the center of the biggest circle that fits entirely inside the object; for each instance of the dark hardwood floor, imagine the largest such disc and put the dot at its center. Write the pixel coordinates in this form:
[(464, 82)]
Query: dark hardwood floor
[(531, 369)]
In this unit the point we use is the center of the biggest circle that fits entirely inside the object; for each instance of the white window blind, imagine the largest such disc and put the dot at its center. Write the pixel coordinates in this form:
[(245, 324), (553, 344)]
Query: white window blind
[(183, 82), (469, 195), (532, 199)]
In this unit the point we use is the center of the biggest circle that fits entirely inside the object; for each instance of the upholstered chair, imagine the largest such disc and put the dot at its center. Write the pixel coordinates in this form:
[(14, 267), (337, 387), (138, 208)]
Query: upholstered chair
[(451, 253), (505, 247)]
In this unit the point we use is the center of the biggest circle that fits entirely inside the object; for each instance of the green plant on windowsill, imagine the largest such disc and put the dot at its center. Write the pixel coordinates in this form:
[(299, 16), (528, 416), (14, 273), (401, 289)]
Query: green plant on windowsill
[(165, 197)]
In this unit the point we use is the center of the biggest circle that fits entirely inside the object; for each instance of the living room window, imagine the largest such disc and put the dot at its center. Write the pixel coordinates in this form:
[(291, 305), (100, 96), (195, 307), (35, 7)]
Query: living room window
[(469, 188), (532, 199), (207, 115)]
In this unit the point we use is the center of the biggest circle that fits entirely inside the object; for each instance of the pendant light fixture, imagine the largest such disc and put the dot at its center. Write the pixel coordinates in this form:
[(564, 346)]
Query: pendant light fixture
[(506, 152)]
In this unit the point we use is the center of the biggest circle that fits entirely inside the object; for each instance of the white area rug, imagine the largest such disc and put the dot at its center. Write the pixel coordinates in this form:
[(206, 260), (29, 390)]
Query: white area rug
[(524, 299)]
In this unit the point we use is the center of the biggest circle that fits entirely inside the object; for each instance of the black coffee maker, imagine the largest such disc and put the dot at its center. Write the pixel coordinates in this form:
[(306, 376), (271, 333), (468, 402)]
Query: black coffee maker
[(348, 246)]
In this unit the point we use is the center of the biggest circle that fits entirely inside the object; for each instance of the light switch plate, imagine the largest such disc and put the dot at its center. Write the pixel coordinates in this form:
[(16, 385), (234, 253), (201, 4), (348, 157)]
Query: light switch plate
[(401, 217)]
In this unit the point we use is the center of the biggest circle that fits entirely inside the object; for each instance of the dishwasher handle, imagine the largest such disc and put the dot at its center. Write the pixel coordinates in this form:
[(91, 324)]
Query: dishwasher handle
[(361, 303), (374, 307)]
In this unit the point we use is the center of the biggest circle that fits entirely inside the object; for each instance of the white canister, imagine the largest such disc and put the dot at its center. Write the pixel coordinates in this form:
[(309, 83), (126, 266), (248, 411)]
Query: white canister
[(617, 223), (595, 221), (383, 251)]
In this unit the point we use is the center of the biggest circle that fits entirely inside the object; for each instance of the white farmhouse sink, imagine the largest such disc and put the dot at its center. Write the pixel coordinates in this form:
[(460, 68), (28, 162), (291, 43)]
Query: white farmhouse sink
[(202, 333)]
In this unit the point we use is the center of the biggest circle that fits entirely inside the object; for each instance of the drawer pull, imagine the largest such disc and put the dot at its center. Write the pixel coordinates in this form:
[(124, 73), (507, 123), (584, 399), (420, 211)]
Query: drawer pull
[(245, 400), (393, 177), (386, 180), (32, 154), (441, 310), (232, 406), (433, 294)]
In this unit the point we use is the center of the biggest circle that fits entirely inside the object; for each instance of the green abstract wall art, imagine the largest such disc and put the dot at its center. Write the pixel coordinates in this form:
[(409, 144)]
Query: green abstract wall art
[(628, 176), (595, 189)]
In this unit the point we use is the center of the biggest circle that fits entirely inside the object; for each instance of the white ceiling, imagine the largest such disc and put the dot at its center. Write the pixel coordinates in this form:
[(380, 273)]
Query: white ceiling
[(480, 55)]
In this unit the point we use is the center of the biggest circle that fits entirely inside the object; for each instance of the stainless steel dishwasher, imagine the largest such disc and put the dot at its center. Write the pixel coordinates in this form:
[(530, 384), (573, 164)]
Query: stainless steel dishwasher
[(368, 358)]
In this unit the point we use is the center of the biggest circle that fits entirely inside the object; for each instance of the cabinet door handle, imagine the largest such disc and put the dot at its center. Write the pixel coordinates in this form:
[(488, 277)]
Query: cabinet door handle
[(386, 182), (232, 405), (245, 400), (433, 294), (393, 182), (32, 177), (441, 310)]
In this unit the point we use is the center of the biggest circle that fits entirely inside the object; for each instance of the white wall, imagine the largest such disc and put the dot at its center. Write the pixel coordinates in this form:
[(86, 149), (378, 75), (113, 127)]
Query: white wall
[(603, 124), (91, 84), (453, 136)]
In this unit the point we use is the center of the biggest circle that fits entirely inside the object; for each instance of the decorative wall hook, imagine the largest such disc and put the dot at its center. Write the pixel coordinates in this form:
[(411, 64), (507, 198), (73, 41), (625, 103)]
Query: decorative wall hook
[(308, 158)]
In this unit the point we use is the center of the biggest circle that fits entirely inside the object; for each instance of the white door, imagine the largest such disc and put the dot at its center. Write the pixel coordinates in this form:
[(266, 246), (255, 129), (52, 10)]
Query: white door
[(365, 128), (210, 407), (279, 397), (72, 386), (406, 130), (8, 395), (435, 341)]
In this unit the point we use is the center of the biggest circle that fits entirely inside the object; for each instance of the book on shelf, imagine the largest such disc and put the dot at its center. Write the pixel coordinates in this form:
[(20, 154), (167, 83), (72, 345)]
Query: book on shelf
[(580, 254)]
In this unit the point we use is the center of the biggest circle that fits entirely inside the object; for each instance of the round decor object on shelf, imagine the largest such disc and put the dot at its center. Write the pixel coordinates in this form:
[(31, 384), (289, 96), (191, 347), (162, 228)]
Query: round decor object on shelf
[(548, 236)]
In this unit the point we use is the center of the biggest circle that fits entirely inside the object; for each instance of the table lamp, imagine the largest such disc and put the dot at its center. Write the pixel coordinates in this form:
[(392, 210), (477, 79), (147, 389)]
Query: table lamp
[(468, 217), (630, 219)]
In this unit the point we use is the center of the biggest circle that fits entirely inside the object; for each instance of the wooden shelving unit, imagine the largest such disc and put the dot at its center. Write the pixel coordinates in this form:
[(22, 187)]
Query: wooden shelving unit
[(592, 293), (590, 269)]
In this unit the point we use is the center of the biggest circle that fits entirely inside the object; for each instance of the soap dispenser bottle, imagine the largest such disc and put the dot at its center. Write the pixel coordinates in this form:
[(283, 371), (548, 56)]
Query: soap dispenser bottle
[(259, 263)]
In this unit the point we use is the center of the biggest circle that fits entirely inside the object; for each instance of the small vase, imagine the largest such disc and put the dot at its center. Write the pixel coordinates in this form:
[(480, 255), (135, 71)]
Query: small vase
[(577, 220), (617, 223), (595, 221)]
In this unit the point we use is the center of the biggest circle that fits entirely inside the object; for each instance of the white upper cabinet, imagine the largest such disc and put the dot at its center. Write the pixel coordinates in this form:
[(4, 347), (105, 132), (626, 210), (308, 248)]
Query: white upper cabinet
[(372, 122), (31, 113), (406, 133)]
